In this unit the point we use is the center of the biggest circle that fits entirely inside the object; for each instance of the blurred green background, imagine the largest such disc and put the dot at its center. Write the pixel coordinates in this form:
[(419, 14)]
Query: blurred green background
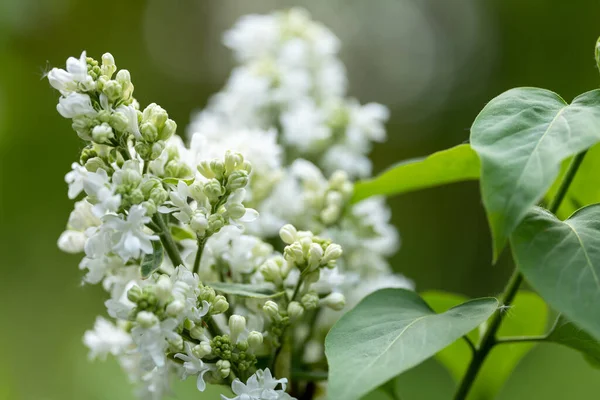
[(434, 63)]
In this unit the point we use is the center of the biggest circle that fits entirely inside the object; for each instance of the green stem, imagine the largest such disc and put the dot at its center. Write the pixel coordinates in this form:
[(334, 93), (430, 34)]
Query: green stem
[(489, 339), (201, 243), (521, 339), (284, 330), (167, 240)]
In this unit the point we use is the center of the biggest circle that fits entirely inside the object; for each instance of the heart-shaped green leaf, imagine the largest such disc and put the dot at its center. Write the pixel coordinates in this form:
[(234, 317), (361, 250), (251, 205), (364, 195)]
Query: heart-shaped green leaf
[(561, 260), (459, 163), (522, 136), (567, 334), (151, 262), (257, 291), (389, 332)]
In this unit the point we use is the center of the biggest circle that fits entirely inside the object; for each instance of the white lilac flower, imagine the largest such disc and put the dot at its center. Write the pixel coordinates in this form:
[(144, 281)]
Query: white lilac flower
[(128, 235), (106, 338), (151, 335), (260, 386), (75, 179), (67, 81), (99, 268), (236, 210), (73, 239), (185, 290), (132, 120), (75, 105), (98, 186), (304, 126), (193, 365)]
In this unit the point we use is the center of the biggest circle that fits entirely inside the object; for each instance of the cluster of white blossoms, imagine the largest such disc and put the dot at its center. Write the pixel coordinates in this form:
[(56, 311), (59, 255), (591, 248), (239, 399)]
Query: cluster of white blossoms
[(198, 283)]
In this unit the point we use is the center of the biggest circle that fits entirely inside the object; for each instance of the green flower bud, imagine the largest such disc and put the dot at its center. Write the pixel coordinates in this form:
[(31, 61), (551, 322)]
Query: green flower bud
[(271, 309), (223, 368), (332, 253), (124, 79), (134, 294), (213, 190), (159, 195), (288, 234), (215, 223), (82, 126), (94, 163), (157, 149), (197, 192), (242, 345), (150, 207), (143, 149), (167, 130), (149, 185), (335, 301), (136, 196), (207, 294), (237, 180), (198, 332), (118, 121), (177, 169), (149, 132), (102, 133), (218, 168), (220, 305), (310, 300), (156, 115), (295, 310), (255, 339), (113, 90), (294, 253), (236, 210), (205, 169), (108, 67)]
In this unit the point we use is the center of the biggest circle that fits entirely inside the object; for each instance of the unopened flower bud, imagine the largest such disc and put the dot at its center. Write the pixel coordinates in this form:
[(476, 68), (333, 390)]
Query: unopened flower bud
[(113, 90), (237, 325), (149, 132), (146, 319), (335, 301), (134, 293), (175, 342), (102, 133), (215, 223), (232, 160), (315, 253), (255, 339), (119, 121), (288, 234), (205, 169), (310, 300), (108, 67), (294, 252), (207, 294), (271, 271), (167, 130), (213, 190), (164, 286), (199, 223), (271, 309), (295, 310), (237, 180), (198, 332), (202, 349), (218, 168), (175, 308), (223, 368), (236, 210), (220, 305), (332, 253)]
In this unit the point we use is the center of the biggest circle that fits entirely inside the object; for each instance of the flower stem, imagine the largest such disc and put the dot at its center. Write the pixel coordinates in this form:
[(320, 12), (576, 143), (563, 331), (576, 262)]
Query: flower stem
[(489, 339), (167, 240), (201, 243)]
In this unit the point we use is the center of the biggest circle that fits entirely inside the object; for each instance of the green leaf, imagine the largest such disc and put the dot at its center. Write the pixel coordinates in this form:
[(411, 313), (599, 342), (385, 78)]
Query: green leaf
[(522, 136), (175, 181), (561, 260), (180, 233), (567, 334), (456, 357), (257, 291), (151, 262), (459, 163), (585, 187), (527, 316), (389, 332)]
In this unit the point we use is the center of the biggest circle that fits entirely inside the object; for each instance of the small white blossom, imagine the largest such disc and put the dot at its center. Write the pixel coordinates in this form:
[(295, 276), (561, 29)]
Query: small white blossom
[(106, 338), (67, 81), (260, 386), (75, 105), (194, 366), (128, 235)]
